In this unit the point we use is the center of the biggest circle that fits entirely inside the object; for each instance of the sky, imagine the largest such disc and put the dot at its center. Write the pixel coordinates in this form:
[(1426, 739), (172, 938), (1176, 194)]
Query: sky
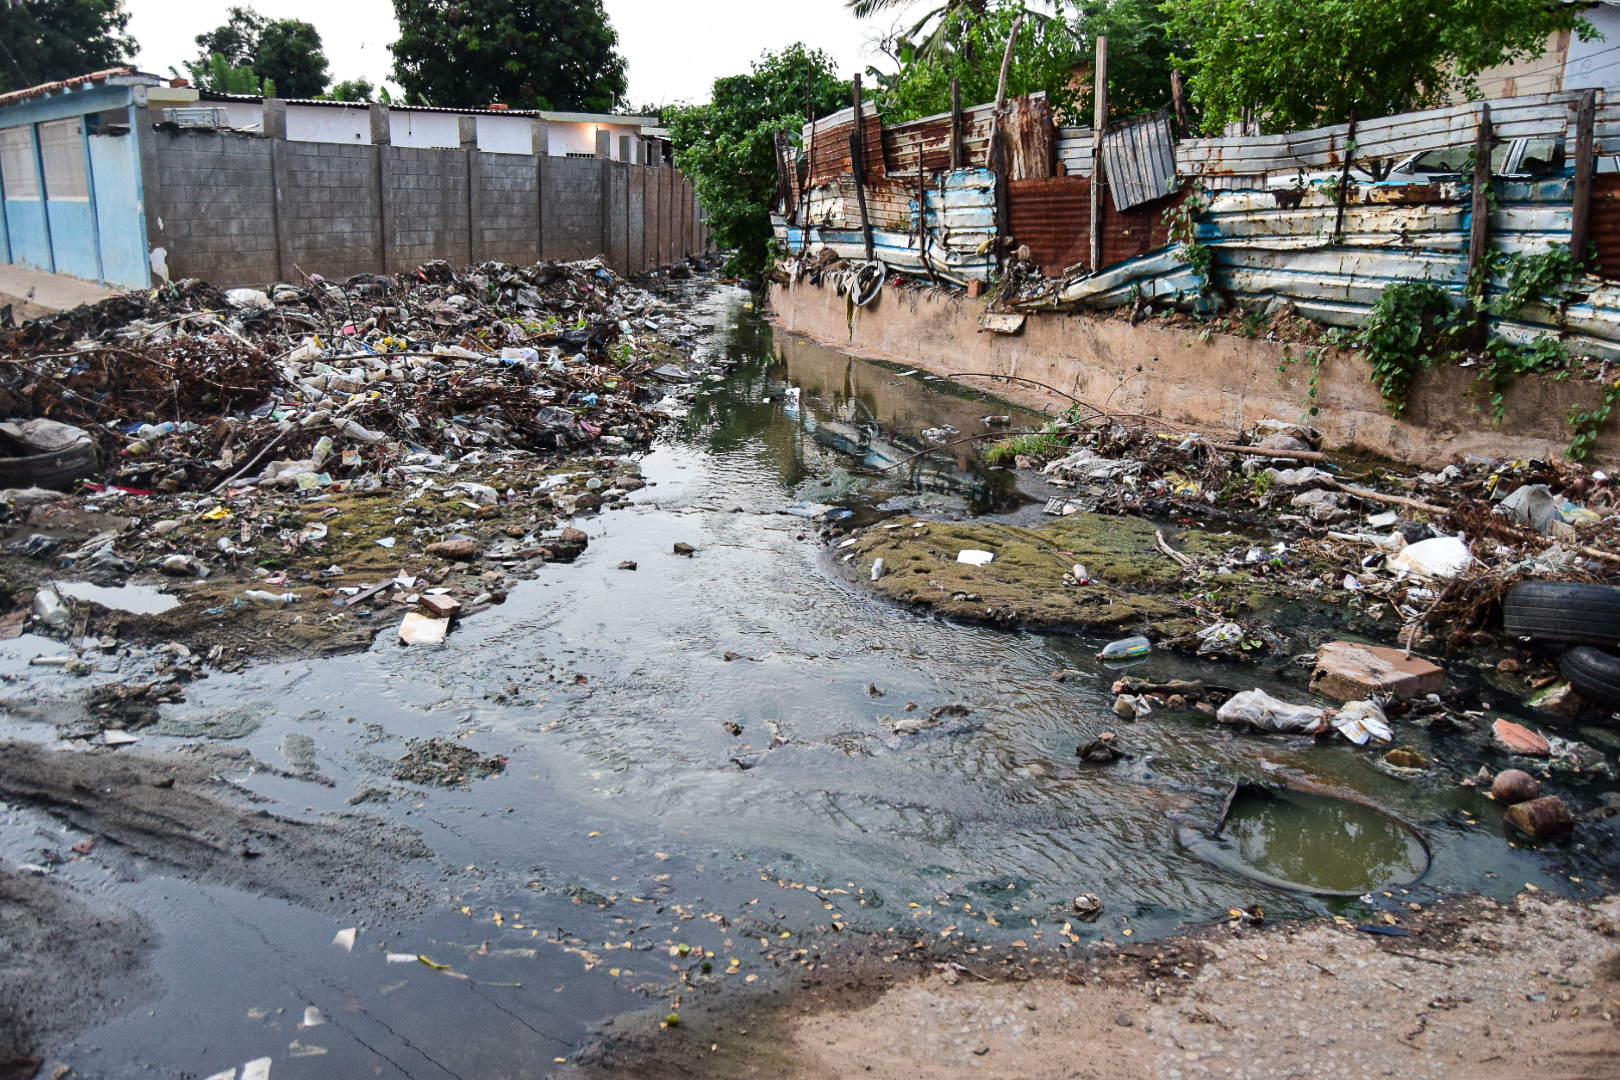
[(675, 48)]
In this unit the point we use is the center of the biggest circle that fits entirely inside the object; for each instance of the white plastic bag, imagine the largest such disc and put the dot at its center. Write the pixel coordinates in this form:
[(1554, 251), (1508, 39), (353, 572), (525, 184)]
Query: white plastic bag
[(1363, 720), (1441, 557), (1259, 710)]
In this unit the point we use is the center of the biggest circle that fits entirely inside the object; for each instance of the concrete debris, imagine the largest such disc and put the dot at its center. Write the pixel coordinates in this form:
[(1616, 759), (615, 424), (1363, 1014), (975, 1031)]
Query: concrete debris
[(1349, 671)]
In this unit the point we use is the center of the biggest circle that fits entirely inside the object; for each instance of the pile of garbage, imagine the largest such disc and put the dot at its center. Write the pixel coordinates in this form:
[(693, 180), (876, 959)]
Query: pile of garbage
[(327, 384), (412, 441)]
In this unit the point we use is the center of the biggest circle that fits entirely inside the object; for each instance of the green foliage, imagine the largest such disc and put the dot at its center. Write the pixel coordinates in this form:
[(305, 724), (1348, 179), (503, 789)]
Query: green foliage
[(45, 40), (529, 54), (926, 36), (1139, 55), (355, 90), (728, 147), (971, 45), (1505, 362), (1039, 444), (1314, 354), (290, 55), (1533, 279), (1588, 422), (249, 54), (1182, 221), (1297, 64), (1411, 325)]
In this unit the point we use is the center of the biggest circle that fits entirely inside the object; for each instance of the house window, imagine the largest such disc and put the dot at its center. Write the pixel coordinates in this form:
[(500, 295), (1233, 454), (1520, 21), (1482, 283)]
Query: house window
[(18, 170), (61, 147)]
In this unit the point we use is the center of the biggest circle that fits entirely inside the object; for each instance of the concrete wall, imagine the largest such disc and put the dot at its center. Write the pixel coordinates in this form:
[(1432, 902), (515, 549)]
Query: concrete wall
[(250, 208), (1216, 386)]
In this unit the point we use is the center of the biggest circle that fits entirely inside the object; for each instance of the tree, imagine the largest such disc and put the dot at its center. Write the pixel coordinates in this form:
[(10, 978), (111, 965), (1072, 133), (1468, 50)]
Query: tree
[(728, 147), (1299, 64), (1139, 55), (284, 53), (928, 34), (354, 90), (529, 54), (970, 48), (290, 55), (46, 40)]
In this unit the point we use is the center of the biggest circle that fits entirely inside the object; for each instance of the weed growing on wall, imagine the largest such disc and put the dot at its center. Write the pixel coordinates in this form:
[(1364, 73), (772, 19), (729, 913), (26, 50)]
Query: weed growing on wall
[(1411, 325)]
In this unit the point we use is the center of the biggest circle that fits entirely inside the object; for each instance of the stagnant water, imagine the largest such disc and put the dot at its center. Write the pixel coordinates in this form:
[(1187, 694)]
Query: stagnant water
[(624, 786)]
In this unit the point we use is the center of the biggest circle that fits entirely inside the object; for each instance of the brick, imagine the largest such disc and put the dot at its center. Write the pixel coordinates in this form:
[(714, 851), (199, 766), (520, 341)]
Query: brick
[(1349, 671)]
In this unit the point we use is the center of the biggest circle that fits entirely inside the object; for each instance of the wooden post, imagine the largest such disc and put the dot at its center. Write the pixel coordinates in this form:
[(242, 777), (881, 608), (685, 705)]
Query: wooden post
[(857, 161), (1479, 237), (1178, 95), (1099, 122), (956, 125), (1580, 223), (809, 167), (1344, 179), (922, 220)]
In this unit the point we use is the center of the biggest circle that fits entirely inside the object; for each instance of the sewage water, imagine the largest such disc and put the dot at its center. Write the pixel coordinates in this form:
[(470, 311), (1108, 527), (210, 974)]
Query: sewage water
[(1330, 845), (630, 819), (135, 599)]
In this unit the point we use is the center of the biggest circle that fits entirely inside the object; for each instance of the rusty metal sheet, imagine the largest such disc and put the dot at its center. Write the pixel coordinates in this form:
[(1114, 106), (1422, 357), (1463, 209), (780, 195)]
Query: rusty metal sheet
[(1605, 223), (1139, 160), (1053, 217)]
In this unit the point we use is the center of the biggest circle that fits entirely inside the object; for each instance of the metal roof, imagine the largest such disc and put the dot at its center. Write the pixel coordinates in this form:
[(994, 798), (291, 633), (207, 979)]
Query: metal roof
[(544, 114)]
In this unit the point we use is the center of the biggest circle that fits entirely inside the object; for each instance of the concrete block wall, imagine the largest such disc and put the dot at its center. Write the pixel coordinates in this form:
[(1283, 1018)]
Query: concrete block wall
[(210, 205), (335, 228), (251, 209), (426, 206), (508, 221)]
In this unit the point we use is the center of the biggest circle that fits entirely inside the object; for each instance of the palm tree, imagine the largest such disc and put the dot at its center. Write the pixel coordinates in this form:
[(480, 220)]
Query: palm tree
[(941, 17)]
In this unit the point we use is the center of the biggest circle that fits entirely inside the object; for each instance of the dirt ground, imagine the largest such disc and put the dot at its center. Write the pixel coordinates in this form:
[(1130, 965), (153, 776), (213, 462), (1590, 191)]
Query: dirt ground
[(1478, 990)]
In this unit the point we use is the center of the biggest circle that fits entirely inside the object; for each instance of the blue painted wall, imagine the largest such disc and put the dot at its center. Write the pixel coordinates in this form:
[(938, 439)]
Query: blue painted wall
[(115, 171), (99, 239), (30, 242)]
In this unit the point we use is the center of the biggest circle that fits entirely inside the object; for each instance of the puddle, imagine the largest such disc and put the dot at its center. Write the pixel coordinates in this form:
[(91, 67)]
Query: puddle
[(1319, 844), (135, 599)]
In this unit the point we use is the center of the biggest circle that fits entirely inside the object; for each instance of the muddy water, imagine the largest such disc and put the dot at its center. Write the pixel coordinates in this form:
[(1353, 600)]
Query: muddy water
[(630, 819)]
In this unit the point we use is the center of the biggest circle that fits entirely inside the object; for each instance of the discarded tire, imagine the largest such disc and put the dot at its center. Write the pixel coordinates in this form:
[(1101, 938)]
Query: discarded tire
[(1563, 611), (1595, 673), (54, 469)]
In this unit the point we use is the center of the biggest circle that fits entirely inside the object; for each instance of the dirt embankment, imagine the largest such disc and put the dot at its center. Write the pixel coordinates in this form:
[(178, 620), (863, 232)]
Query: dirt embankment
[(1477, 990)]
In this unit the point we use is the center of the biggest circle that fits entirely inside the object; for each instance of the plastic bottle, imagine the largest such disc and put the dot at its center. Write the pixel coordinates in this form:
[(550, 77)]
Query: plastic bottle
[(270, 599), (154, 431), (49, 609), (1127, 649)]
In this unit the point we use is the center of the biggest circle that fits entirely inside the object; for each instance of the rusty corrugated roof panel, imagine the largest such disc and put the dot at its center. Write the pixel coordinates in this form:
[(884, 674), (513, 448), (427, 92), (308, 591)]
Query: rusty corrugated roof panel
[(1053, 217), (1139, 159), (1605, 224)]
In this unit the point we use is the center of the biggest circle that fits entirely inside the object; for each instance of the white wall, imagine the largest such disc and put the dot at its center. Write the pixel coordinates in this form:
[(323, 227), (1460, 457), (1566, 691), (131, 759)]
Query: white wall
[(243, 114), (328, 123), (424, 129), (569, 138), (1596, 64), (506, 134)]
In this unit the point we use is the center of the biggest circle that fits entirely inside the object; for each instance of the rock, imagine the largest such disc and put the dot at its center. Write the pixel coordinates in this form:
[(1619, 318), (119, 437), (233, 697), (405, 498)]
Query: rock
[(628, 564), (1559, 699), (1347, 671), (438, 606), (1518, 739), (1405, 757), (590, 500), (1541, 819), (682, 548), (567, 547), (454, 550), (165, 527), (1514, 786), (1101, 750)]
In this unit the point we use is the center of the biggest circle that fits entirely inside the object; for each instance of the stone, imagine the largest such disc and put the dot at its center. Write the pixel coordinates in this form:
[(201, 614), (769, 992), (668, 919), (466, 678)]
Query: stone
[(588, 501), (1518, 739), (567, 547), (1349, 671), (1508, 667), (628, 564), (1559, 699), (682, 548), (1514, 786), (1541, 819), (438, 606), (975, 289), (454, 550)]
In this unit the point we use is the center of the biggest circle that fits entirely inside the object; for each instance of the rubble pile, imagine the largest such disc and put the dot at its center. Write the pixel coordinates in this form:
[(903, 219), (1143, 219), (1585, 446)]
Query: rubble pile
[(326, 434)]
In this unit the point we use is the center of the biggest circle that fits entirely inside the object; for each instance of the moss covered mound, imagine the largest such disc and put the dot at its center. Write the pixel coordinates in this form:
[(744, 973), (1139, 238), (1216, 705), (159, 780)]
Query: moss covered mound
[(1024, 584)]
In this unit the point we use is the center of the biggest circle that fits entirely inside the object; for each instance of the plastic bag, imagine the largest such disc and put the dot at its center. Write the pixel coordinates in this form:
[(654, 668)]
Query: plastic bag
[(1441, 557), (1363, 720), (1259, 710)]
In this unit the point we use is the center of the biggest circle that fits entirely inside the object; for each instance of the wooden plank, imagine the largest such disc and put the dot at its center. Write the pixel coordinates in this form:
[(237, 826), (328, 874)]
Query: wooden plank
[(1178, 97), (1479, 235), (957, 160), (1099, 175), (1580, 217), (857, 158)]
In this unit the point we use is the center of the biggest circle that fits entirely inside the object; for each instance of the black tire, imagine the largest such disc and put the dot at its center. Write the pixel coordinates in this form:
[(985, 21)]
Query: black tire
[(1563, 611), (56, 469), (1595, 673)]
